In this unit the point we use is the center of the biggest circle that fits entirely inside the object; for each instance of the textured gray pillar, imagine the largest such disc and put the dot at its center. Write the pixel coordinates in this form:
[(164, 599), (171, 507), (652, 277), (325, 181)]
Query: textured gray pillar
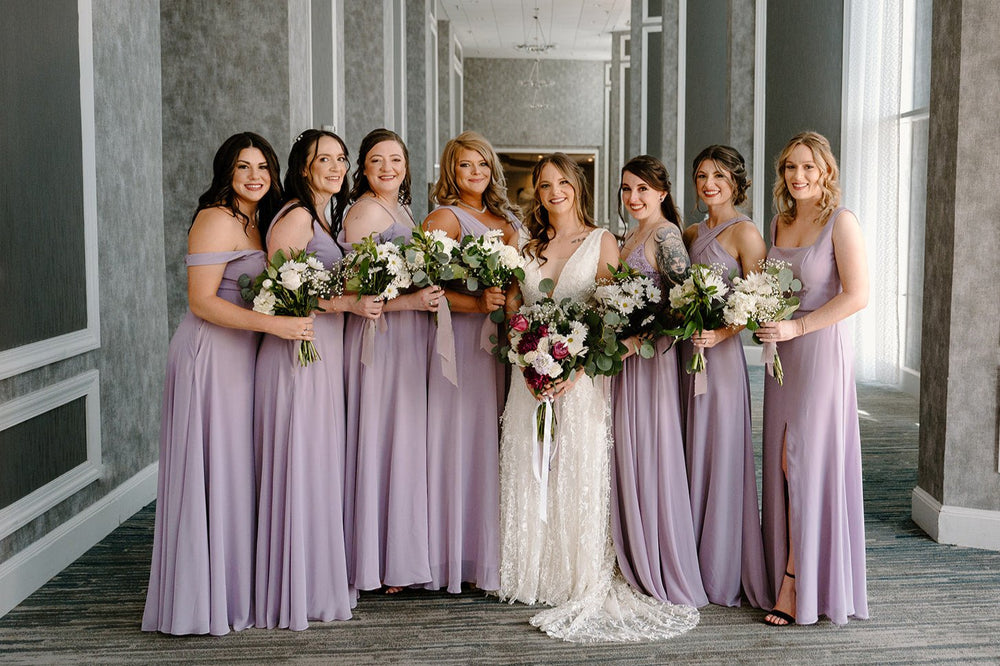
[(364, 74), (420, 102), (957, 499), (225, 69)]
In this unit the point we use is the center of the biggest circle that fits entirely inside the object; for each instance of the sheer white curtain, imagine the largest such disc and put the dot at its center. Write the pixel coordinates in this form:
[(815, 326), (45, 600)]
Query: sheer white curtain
[(870, 174)]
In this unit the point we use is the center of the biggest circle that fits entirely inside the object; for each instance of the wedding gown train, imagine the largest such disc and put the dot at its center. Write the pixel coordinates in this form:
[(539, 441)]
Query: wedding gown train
[(568, 562)]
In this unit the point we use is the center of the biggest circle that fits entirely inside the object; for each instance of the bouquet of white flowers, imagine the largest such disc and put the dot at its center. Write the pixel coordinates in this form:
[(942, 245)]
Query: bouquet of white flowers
[(375, 269), (433, 257), (626, 306), (490, 262), (291, 286), (698, 302), (764, 295), (548, 343)]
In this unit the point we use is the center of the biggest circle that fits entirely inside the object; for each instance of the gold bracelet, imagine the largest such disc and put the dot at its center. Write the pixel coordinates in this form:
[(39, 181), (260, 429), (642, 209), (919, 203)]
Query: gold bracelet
[(802, 326)]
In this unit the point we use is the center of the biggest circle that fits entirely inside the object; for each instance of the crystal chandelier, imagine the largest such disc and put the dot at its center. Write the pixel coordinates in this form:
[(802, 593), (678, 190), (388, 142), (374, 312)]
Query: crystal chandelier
[(535, 82)]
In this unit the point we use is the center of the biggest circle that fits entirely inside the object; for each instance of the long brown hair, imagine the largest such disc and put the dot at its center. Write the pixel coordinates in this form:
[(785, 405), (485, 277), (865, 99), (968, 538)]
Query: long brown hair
[(446, 189), (537, 222), (361, 184), (653, 173), (829, 179)]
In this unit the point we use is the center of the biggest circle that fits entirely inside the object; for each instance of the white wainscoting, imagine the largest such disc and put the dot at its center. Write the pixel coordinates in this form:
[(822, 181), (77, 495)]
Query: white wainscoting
[(955, 525), (35, 565), (36, 403)]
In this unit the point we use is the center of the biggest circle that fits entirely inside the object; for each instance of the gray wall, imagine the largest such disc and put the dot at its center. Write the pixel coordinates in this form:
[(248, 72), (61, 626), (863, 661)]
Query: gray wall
[(497, 106), (363, 72), (220, 76), (131, 257), (804, 74), (961, 323)]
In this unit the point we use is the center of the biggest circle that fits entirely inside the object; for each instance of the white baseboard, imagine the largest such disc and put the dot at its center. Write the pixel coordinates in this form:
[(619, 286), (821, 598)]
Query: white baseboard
[(31, 568), (955, 525)]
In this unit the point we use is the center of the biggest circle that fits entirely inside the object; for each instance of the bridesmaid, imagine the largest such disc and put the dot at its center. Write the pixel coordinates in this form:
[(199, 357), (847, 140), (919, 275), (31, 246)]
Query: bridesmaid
[(814, 531), (463, 468), (299, 413), (387, 402), (651, 510), (718, 440), (201, 577)]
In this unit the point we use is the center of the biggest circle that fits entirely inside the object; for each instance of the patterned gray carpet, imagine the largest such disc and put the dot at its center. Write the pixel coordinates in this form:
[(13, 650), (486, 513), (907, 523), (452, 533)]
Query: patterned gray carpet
[(929, 603)]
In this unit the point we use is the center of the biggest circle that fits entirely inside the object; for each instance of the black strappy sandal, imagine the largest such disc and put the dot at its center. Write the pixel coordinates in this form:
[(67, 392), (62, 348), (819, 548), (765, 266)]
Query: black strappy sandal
[(777, 614)]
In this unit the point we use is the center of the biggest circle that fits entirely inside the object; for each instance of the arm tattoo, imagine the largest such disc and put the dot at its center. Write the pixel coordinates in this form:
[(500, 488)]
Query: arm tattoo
[(671, 257)]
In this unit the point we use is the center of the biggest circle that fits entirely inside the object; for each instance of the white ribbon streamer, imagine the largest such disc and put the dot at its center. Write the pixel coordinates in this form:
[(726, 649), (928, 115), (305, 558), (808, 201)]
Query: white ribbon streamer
[(446, 342), (767, 356), (368, 339), (701, 377), (541, 456), (488, 329)]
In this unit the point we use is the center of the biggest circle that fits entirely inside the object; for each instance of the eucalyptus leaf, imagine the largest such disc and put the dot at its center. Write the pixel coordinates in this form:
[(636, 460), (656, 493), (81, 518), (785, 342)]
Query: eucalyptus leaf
[(546, 285), (497, 316)]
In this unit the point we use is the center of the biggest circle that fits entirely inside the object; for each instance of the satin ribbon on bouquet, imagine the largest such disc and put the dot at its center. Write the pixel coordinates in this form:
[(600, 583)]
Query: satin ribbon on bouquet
[(542, 454), (446, 342), (368, 339), (767, 356), (701, 377), (489, 328)]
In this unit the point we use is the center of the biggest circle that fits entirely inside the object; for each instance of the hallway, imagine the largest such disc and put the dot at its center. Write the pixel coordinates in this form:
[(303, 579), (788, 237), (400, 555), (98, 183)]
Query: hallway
[(930, 603)]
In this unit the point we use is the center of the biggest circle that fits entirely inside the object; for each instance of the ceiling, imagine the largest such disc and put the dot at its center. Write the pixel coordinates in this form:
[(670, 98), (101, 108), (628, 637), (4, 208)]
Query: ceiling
[(580, 29)]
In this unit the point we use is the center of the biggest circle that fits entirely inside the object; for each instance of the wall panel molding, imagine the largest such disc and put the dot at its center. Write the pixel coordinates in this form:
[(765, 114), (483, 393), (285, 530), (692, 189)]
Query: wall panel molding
[(27, 357), (23, 408)]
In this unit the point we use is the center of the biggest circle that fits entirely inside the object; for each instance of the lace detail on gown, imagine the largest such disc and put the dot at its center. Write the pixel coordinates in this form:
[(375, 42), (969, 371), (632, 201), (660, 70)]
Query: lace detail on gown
[(569, 561)]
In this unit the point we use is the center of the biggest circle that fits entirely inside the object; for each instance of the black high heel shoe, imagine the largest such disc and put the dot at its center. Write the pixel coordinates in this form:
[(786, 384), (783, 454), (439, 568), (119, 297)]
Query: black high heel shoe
[(772, 617)]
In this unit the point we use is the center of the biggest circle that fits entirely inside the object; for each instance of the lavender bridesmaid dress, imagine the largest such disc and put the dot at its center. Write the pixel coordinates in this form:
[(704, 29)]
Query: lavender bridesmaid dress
[(815, 412), (463, 466), (651, 510), (386, 480), (720, 465), (201, 576), (299, 414)]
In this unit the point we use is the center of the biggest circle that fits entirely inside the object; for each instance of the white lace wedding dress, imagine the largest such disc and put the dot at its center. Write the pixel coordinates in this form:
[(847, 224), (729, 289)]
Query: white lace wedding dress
[(568, 562)]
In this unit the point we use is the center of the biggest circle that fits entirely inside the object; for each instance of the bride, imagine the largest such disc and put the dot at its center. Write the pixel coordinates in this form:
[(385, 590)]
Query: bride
[(567, 560)]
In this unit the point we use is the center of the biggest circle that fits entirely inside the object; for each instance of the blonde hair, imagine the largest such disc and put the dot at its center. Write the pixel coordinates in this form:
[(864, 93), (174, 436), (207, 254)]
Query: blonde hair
[(829, 180), (537, 220), (446, 190)]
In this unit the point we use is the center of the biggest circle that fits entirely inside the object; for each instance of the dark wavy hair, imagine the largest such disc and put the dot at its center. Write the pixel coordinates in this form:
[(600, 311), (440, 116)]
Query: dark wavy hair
[(653, 173), (729, 160), (361, 184), (446, 189), (537, 220), (220, 193), (297, 188)]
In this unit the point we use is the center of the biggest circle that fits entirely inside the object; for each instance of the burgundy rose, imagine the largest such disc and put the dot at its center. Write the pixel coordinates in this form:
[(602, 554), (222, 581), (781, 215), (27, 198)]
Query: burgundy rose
[(519, 323), (560, 351)]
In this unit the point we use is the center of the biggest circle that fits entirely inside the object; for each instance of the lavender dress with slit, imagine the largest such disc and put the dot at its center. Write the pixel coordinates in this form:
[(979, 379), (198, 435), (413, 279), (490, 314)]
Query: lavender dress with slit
[(201, 576), (651, 510), (719, 448), (463, 467), (386, 479), (815, 413), (300, 430)]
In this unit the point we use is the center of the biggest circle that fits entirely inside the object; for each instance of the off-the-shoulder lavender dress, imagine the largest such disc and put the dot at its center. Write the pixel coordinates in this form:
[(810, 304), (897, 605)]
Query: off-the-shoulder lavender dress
[(651, 509), (201, 577), (299, 414), (720, 464), (815, 413), (386, 480), (463, 467)]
